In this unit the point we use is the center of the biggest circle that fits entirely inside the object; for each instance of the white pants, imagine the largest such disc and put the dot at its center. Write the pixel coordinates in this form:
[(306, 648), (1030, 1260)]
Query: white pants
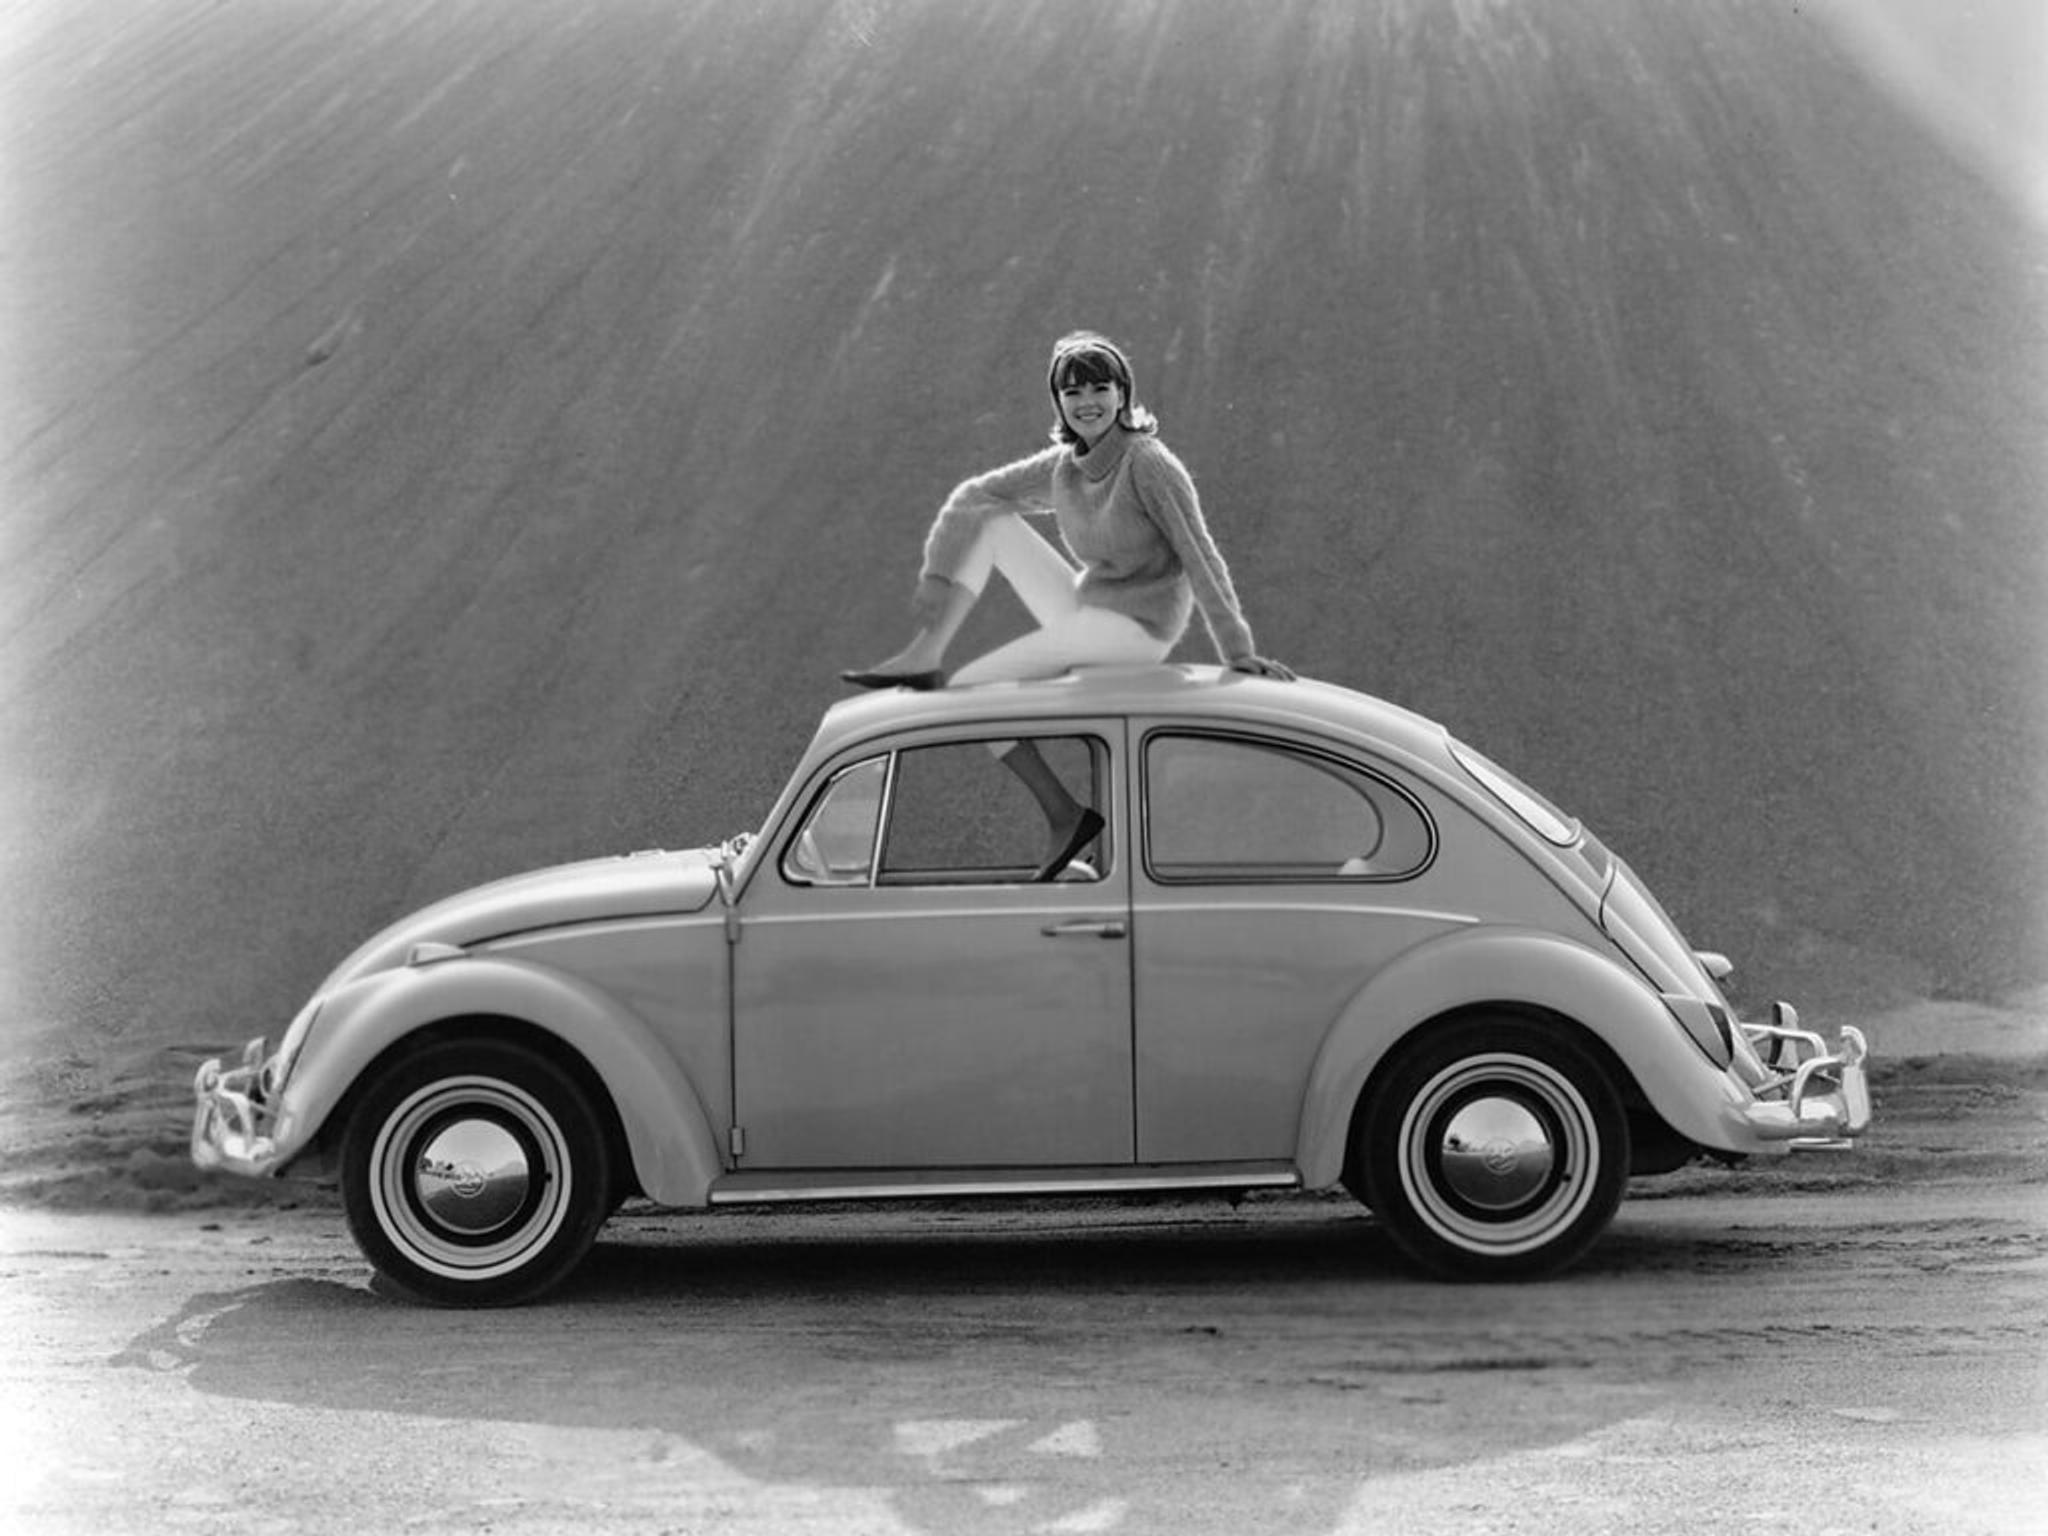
[(1070, 633)]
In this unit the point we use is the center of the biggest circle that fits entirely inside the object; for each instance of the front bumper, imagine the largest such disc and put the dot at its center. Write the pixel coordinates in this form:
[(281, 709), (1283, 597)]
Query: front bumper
[(231, 1124), (1809, 1095)]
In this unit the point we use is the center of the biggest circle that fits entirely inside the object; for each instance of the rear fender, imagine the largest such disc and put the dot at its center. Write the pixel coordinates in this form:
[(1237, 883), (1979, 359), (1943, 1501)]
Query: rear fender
[(1510, 967), (668, 1132)]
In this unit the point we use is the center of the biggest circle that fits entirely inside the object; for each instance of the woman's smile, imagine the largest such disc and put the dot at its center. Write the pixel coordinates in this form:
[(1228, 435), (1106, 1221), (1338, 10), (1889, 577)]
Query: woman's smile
[(1090, 409)]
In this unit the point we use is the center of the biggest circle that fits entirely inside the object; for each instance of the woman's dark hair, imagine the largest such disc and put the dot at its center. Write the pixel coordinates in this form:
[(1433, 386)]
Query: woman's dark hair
[(1084, 357)]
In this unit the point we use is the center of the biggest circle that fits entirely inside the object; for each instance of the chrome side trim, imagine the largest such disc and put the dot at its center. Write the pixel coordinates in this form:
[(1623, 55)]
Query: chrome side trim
[(885, 805), (1142, 906), (782, 1188)]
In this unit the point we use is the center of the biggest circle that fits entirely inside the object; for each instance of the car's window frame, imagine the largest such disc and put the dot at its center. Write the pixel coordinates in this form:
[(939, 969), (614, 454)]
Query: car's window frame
[(1102, 737), (1327, 755), (801, 819)]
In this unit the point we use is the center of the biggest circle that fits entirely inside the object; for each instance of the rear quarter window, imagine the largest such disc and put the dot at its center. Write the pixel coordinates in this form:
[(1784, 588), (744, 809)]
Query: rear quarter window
[(1227, 808)]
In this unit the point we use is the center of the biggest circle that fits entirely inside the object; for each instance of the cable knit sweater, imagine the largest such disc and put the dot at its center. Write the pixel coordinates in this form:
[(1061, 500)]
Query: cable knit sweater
[(1127, 510)]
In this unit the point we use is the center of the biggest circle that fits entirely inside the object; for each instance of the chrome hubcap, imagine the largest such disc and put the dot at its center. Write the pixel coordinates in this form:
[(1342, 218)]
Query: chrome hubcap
[(1495, 1153), (1498, 1153), (471, 1177)]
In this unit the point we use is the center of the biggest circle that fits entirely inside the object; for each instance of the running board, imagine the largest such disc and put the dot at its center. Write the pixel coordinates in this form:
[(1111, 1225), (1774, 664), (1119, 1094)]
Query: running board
[(789, 1186)]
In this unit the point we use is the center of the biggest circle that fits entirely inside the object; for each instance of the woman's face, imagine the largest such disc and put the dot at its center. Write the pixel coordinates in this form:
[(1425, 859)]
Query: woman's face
[(1090, 410)]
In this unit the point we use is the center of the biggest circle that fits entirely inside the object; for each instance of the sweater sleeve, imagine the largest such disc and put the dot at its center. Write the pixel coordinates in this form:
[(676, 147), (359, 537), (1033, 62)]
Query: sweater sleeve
[(1022, 486), (1167, 493)]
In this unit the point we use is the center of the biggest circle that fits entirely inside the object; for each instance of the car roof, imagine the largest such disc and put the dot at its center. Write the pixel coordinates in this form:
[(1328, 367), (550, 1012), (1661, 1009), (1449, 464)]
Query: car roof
[(1187, 692)]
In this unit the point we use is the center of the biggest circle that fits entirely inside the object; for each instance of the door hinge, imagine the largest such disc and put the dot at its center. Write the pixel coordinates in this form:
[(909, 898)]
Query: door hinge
[(736, 1139)]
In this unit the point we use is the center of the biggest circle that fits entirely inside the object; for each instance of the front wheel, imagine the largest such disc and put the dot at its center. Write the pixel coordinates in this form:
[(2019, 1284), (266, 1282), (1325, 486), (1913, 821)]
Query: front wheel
[(1493, 1148), (475, 1172)]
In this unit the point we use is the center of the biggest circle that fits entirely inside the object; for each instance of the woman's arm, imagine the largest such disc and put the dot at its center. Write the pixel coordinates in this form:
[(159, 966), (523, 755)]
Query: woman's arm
[(1166, 492), (1022, 486)]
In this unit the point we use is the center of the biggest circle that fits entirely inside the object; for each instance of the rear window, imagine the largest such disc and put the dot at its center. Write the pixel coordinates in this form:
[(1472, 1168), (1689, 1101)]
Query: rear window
[(1542, 818)]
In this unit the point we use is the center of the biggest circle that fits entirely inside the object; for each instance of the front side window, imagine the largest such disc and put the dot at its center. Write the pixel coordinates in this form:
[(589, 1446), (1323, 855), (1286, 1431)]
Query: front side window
[(1223, 808), (996, 812), (1002, 812)]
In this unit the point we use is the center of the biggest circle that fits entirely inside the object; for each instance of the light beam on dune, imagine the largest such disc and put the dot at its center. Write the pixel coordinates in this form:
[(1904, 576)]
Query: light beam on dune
[(1974, 71)]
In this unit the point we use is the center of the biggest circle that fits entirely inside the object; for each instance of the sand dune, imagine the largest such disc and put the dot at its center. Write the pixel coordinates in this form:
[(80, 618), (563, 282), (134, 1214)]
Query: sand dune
[(447, 437)]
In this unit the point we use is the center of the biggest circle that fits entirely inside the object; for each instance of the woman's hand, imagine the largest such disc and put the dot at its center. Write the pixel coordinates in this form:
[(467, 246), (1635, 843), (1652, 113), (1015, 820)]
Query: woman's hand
[(1260, 666)]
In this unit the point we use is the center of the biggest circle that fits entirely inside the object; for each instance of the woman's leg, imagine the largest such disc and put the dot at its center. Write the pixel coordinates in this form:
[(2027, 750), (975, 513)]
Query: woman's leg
[(1086, 637), (1038, 573), (1069, 635), (1069, 825)]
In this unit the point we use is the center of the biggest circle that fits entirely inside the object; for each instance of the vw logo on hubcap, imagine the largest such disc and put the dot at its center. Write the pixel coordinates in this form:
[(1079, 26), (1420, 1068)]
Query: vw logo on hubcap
[(1500, 1156), (466, 1180)]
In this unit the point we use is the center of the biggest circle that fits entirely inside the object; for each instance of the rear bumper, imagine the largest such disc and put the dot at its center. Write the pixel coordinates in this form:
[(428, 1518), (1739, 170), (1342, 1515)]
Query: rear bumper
[(1814, 1095)]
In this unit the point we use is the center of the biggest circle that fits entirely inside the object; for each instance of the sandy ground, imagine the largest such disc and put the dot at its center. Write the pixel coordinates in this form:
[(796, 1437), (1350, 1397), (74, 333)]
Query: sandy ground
[(1863, 1359)]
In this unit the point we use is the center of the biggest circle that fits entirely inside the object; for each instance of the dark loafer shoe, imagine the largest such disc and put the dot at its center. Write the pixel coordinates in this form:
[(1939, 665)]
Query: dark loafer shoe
[(1086, 830), (921, 681)]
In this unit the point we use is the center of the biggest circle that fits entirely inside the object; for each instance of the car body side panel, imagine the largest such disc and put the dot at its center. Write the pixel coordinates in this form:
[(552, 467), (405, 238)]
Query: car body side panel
[(1238, 985), (1532, 968), (667, 1128), (674, 975), (1236, 992)]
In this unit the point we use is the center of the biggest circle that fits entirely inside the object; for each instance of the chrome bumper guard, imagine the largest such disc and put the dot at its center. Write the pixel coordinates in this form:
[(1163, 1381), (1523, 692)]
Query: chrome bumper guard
[(1814, 1097), (230, 1122)]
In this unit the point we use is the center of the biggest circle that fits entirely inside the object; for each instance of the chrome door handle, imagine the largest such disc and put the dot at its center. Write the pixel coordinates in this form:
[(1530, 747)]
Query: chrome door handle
[(1086, 927)]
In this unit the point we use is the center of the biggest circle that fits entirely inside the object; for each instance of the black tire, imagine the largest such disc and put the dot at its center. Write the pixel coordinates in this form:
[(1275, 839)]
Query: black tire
[(475, 1173), (1493, 1148)]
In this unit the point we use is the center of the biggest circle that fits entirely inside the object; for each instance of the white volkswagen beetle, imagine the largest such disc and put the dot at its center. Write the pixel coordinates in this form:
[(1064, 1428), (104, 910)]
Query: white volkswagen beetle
[(1286, 936)]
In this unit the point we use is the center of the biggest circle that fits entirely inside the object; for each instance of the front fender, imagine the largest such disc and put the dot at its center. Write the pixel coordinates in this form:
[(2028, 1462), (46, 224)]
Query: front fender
[(667, 1130), (1529, 967)]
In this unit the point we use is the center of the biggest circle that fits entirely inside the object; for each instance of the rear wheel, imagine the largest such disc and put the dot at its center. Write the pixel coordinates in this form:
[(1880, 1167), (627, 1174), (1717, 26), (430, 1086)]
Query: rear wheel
[(1493, 1147), (475, 1172)]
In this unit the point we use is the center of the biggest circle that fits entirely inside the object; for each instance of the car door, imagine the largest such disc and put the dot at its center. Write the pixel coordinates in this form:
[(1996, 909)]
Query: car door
[(908, 995)]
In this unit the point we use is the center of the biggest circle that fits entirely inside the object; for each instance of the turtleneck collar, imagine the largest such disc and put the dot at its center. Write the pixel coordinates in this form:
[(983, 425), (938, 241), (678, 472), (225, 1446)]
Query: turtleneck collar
[(1100, 462)]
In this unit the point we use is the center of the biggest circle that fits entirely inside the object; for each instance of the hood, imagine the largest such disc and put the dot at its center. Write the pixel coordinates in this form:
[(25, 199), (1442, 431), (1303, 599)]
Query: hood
[(593, 890)]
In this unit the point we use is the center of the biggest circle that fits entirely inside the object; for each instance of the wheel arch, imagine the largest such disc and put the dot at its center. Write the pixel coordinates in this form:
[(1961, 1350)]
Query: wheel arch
[(1669, 1087), (1654, 1147), (655, 1120), (326, 1142)]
